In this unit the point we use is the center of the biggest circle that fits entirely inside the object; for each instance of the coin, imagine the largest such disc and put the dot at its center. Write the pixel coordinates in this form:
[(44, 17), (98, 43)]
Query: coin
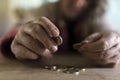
[(58, 70), (83, 70), (77, 73), (53, 68), (58, 40), (47, 67), (71, 70)]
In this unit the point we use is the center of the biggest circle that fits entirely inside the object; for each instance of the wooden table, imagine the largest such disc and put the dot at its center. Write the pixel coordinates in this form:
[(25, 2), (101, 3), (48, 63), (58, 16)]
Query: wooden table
[(14, 70)]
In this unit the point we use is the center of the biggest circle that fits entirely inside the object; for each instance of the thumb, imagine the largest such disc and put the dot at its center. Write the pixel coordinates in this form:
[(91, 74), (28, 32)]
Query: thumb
[(92, 38)]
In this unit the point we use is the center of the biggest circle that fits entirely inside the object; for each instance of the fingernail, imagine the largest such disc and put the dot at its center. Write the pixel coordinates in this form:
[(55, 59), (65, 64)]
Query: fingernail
[(56, 33), (53, 48)]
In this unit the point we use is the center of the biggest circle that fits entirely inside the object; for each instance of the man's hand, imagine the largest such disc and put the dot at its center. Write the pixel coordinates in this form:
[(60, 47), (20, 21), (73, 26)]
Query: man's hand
[(102, 48), (37, 38)]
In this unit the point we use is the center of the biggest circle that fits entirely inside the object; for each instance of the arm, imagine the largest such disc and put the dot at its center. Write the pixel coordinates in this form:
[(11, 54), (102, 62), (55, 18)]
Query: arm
[(6, 41)]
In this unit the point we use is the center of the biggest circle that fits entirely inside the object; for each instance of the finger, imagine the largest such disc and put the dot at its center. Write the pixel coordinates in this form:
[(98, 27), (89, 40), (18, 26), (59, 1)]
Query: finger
[(33, 45), (92, 38), (49, 27), (106, 42), (57, 39), (38, 33), (104, 54), (112, 51), (22, 52), (47, 54), (113, 62)]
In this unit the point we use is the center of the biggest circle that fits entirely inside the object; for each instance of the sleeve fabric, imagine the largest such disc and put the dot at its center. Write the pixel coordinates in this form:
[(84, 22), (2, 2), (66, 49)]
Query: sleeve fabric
[(5, 44)]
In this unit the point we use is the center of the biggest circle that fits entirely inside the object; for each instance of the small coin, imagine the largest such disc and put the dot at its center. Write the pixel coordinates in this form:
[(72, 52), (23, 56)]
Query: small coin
[(53, 68), (58, 40), (71, 70), (47, 67), (77, 73), (83, 70), (58, 70)]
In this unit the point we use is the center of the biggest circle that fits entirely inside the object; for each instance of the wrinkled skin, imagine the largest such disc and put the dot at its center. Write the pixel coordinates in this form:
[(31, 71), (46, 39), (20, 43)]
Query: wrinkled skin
[(32, 41), (102, 48), (37, 38)]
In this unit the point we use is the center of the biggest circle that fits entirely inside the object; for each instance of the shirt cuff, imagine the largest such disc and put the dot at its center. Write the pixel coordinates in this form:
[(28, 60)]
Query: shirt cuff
[(5, 44)]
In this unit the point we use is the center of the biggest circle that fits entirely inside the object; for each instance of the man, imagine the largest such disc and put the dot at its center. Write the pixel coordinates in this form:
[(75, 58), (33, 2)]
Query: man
[(78, 22)]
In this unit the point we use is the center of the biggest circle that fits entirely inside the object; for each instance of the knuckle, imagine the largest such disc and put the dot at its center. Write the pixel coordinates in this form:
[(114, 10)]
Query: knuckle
[(107, 55), (27, 24), (28, 28), (35, 29), (41, 19), (48, 23), (110, 34), (104, 45), (20, 38), (103, 56), (15, 49), (19, 52)]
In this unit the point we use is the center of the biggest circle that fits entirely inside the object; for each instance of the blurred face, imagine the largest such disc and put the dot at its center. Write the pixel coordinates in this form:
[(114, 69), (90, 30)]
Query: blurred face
[(71, 9)]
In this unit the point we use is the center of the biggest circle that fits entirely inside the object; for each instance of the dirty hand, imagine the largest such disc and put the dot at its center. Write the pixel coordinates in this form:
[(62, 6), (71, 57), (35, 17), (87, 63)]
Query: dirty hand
[(102, 48), (37, 38)]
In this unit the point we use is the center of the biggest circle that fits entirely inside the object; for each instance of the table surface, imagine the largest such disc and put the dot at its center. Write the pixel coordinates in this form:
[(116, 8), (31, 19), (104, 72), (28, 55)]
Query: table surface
[(15, 70)]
